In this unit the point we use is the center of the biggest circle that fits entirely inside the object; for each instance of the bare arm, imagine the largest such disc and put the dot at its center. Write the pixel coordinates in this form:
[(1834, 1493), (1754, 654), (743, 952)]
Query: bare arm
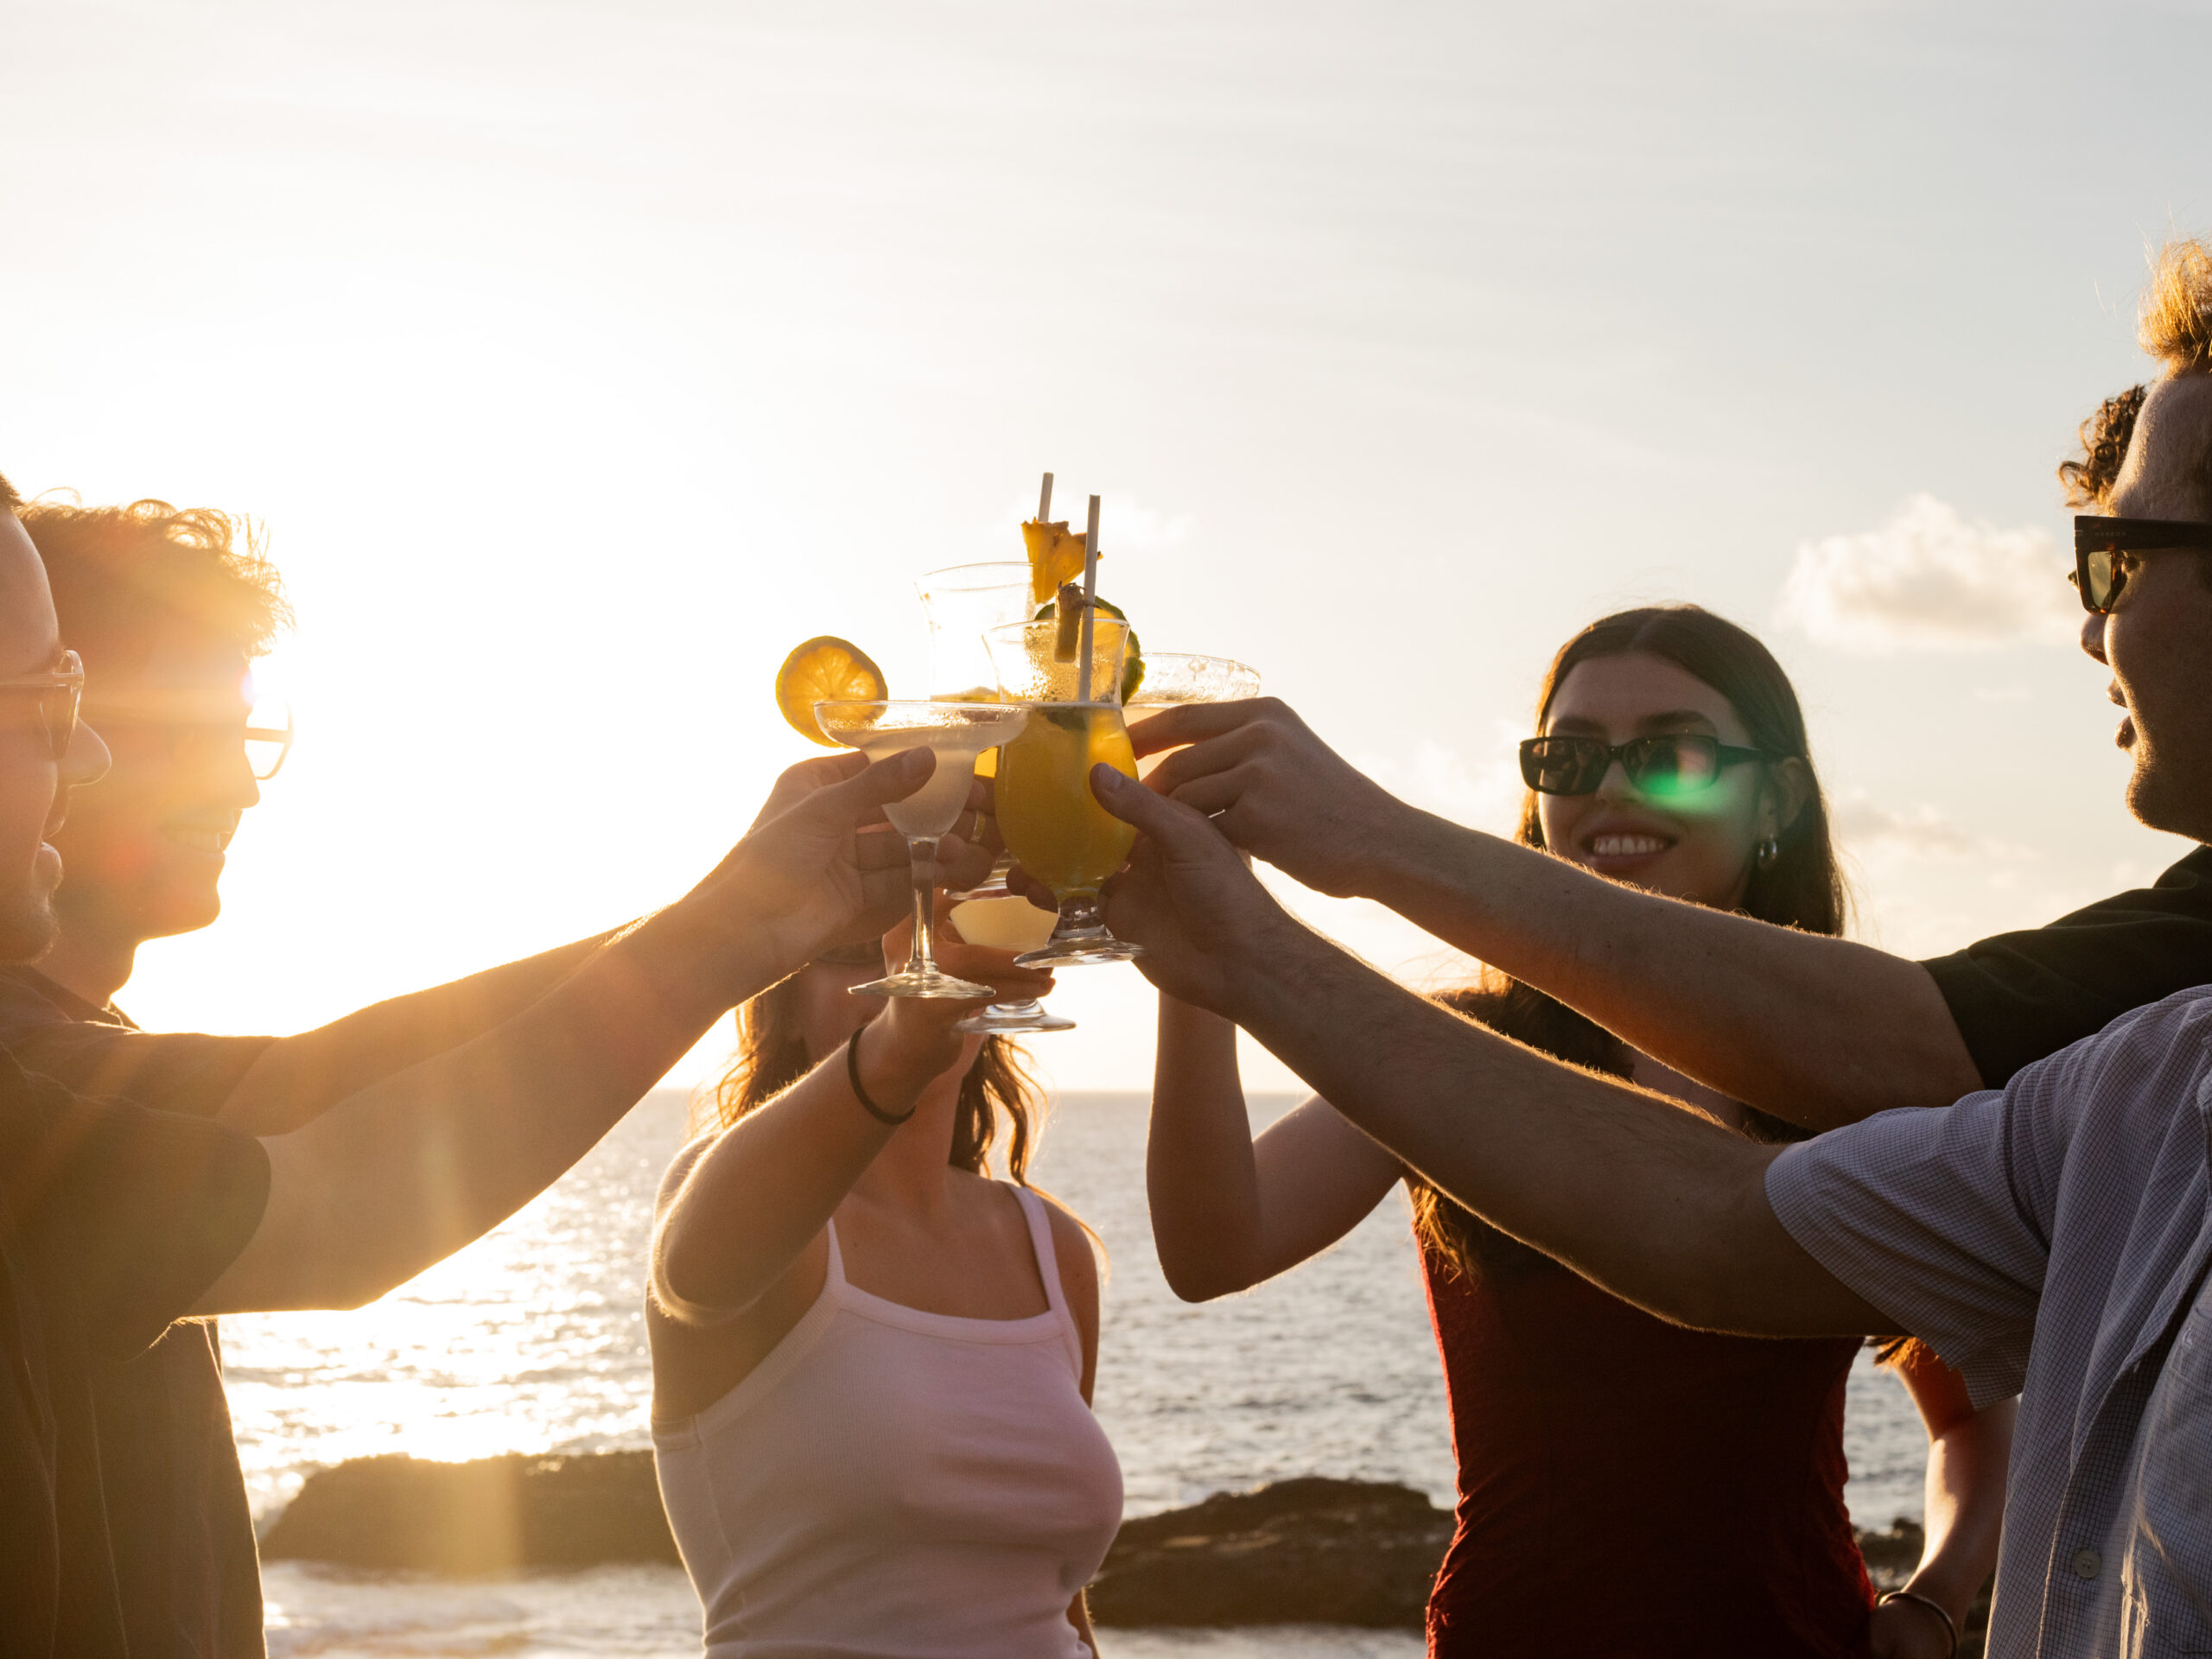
[(760, 1194), (1968, 1452), (1663, 1208), (298, 1078), (406, 1170), (1228, 1212), (1817, 1031)]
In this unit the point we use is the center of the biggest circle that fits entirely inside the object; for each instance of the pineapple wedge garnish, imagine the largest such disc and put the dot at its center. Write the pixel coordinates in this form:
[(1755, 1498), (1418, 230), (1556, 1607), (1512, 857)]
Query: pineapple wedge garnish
[(1055, 557)]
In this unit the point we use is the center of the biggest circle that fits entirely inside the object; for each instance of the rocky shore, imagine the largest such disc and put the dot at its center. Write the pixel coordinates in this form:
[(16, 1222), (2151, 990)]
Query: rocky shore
[(1311, 1550)]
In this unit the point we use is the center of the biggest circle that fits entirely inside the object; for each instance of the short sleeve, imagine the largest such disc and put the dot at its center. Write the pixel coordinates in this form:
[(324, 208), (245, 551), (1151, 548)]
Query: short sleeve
[(2017, 997), (190, 1072), (1940, 1218), (127, 1214)]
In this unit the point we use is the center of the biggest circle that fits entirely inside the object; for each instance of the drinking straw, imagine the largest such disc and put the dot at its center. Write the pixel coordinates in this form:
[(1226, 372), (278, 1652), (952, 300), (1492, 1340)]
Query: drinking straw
[(1045, 500), (1090, 591)]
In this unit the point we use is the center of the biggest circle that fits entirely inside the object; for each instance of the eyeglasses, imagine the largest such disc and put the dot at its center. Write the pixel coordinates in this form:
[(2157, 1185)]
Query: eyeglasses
[(1675, 763), (2101, 571), (202, 721), (59, 692)]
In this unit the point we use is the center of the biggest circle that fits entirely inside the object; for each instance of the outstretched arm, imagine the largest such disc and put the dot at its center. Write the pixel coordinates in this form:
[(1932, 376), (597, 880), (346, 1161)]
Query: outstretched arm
[(1228, 1212), (1664, 1208), (402, 1173), (1817, 1031), (298, 1078)]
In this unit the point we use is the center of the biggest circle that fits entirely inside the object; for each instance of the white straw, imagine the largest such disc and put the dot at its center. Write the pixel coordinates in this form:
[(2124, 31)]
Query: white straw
[(1045, 500), (1090, 591)]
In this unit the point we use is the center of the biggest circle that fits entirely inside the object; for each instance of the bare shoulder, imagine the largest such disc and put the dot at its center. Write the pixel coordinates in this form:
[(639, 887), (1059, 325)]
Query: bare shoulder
[(1076, 1250)]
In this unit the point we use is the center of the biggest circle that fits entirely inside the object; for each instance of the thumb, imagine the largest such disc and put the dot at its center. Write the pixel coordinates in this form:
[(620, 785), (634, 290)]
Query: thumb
[(859, 799), (1167, 822)]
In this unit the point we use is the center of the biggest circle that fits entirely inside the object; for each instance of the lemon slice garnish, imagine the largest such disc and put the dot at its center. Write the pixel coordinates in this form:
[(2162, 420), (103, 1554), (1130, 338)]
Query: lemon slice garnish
[(825, 670)]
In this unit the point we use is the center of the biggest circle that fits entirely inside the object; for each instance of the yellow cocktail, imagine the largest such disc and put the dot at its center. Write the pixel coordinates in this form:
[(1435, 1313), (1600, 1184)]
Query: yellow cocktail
[(1051, 823)]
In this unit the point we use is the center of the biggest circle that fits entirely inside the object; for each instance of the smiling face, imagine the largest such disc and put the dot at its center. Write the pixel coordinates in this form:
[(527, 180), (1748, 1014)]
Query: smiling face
[(1698, 846), (33, 789), (146, 851)]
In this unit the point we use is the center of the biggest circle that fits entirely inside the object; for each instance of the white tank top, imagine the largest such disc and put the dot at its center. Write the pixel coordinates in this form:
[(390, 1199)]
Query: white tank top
[(897, 1484)]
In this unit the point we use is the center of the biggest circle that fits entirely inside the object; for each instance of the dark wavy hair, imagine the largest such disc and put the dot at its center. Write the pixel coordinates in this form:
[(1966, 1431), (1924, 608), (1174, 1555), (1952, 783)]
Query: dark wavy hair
[(1803, 888), (772, 1056)]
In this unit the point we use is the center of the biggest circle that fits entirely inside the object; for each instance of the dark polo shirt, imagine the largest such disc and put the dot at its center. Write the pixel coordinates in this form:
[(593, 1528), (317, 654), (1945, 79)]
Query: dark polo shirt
[(114, 1220), (181, 1535), (2020, 996)]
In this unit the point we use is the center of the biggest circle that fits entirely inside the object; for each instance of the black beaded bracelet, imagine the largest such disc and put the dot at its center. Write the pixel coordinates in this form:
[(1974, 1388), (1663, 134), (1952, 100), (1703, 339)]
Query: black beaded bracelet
[(852, 1072)]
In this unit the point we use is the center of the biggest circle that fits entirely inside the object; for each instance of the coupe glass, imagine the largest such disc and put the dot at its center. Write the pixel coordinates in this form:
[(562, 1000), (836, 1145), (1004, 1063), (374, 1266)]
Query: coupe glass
[(1172, 677), (1052, 823), (956, 732)]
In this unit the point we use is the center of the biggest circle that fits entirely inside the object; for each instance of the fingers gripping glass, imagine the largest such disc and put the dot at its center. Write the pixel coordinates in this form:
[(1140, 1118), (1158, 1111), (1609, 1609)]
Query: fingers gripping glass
[(59, 691), (1675, 763), (2101, 547)]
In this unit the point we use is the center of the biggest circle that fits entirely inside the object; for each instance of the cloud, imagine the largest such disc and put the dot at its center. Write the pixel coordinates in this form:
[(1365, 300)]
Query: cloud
[(1929, 580), (1870, 830)]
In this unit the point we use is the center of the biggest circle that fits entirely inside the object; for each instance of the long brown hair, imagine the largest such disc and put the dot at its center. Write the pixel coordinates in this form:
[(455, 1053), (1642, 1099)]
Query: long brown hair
[(772, 1056), (1802, 886)]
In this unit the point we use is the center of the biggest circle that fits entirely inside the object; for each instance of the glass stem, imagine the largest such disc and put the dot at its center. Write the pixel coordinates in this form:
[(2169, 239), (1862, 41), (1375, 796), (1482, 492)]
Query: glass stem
[(921, 855)]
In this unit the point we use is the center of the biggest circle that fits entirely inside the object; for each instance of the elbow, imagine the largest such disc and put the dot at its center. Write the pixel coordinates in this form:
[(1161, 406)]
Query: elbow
[(1201, 1281)]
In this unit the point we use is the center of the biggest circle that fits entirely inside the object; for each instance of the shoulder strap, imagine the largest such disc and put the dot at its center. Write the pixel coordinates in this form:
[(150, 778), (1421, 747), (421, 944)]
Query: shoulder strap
[(1048, 1269), (836, 1275)]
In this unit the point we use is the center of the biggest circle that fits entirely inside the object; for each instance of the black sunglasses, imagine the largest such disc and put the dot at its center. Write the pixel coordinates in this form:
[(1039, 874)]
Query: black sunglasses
[(60, 692), (1676, 763), (2099, 571)]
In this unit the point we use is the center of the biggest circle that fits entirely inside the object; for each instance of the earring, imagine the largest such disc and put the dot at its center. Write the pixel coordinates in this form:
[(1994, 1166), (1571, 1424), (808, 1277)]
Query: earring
[(1768, 854)]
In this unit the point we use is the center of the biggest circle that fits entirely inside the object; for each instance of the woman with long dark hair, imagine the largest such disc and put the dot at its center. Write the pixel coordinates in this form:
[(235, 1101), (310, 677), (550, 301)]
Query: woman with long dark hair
[(873, 1361), (1627, 1487)]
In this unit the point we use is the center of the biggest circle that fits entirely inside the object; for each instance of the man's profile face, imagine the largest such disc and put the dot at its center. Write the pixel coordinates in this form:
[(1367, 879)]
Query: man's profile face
[(2158, 639), (145, 850), (33, 789)]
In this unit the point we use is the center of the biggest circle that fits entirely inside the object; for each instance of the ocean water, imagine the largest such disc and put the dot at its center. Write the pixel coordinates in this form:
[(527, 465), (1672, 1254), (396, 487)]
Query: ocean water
[(532, 1340)]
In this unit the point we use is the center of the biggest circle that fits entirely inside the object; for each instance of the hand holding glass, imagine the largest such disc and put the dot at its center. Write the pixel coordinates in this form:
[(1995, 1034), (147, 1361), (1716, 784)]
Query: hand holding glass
[(956, 732)]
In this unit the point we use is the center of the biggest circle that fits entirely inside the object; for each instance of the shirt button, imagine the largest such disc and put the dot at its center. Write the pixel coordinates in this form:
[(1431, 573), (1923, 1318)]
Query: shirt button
[(2086, 1563)]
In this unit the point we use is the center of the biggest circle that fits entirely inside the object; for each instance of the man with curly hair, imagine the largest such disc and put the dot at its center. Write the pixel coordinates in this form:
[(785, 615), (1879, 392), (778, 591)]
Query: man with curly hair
[(167, 608)]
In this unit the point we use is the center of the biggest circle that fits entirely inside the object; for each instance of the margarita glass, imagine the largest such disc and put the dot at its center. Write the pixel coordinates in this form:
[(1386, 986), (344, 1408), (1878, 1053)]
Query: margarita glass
[(956, 732), (1172, 678), (1051, 823)]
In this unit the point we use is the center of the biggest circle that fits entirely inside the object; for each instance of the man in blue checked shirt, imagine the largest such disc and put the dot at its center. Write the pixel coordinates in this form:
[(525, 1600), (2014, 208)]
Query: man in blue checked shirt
[(2050, 1238)]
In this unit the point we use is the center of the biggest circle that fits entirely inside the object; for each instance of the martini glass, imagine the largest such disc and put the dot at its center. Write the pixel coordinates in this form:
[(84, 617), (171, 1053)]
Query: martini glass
[(956, 732), (1052, 823), (1172, 677)]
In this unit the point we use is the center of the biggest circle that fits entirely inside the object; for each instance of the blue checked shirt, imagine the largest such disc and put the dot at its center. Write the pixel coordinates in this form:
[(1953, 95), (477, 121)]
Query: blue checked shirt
[(2051, 1240)]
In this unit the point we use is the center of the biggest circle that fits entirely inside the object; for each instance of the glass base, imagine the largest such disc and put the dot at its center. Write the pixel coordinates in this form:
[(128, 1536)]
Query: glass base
[(1080, 950), (1014, 1016), (927, 980)]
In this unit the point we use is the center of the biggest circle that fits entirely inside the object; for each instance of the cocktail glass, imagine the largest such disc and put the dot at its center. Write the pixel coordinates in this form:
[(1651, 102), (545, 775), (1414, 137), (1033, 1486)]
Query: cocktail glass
[(993, 916), (960, 602), (1052, 823), (956, 732), (1172, 677)]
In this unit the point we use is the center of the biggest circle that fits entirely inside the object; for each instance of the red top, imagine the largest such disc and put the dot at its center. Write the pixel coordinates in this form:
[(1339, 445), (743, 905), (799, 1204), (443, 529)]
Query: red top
[(1633, 1490)]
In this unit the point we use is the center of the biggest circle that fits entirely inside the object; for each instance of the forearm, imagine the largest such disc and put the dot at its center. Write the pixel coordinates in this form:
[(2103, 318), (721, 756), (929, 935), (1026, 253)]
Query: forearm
[(402, 1173), (1661, 1208), (1817, 1031), (1965, 1509), (764, 1190), (298, 1078), (1200, 1173)]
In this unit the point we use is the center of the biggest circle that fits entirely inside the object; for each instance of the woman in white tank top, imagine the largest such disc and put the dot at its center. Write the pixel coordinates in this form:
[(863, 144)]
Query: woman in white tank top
[(871, 1362)]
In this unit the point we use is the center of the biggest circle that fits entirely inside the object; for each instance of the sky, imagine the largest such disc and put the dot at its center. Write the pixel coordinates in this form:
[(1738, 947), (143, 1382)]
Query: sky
[(579, 358)]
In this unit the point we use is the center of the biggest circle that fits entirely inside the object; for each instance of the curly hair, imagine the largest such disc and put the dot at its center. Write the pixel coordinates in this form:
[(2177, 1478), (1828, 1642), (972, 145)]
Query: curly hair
[(10, 501), (2175, 322), (121, 574), (772, 1056), (2104, 439)]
